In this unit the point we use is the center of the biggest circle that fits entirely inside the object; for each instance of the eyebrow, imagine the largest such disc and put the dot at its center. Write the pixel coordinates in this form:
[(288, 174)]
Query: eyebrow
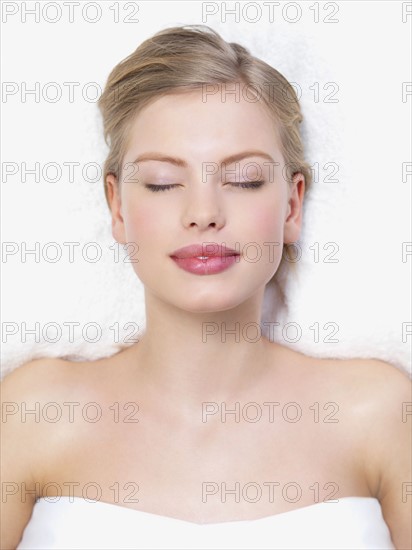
[(183, 164)]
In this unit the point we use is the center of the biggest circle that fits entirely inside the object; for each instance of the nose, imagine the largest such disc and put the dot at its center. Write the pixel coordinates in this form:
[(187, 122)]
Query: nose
[(203, 208)]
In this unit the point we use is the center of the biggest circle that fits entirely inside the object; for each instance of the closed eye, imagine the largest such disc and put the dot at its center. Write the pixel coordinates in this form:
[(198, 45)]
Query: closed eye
[(243, 184), (155, 188), (248, 185)]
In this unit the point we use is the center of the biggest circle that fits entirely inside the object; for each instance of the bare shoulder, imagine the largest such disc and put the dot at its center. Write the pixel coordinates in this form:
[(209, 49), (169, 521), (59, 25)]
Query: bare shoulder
[(22, 390), (29, 392), (371, 383), (35, 374), (30, 383), (375, 395), (388, 419), (34, 397), (376, 372), (52, 378), (379, 396), (375, 381), (43, 391), (34, 410)]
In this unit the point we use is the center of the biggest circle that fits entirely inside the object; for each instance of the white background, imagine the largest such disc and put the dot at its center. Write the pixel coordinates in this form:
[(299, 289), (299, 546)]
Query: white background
[(367, 133)]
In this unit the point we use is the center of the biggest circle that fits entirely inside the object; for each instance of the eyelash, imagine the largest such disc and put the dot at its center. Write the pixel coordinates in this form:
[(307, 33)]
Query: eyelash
[(244, 185)]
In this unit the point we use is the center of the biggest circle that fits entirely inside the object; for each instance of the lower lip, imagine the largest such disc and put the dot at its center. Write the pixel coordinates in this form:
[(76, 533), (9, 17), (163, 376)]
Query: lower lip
[(209, 266)]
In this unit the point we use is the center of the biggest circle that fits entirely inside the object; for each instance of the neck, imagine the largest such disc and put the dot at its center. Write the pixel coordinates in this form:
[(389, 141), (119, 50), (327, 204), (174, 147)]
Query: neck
[(193, 357)]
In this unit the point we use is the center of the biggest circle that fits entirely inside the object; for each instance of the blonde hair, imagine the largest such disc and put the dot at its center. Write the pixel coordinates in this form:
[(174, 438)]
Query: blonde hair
[(186, 58)]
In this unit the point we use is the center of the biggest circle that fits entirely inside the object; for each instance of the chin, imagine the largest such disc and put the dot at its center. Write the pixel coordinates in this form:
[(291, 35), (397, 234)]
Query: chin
[(211, 303)]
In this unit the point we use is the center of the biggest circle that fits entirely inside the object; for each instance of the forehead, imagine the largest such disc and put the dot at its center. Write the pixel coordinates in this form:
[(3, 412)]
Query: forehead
[(203, 124)]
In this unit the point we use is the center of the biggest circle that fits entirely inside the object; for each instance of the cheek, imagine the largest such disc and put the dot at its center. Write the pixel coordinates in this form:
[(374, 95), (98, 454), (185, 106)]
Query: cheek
[(143, 222), (265, 235), (266, 223), (144, 227)]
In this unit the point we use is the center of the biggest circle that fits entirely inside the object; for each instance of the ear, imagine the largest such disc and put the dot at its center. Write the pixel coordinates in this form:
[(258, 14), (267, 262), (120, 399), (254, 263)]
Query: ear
[(113, 195), (293, 222)]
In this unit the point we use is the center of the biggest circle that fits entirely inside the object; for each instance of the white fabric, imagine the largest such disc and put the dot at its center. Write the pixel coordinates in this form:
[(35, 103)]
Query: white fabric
[(363, 208), (74, 523)]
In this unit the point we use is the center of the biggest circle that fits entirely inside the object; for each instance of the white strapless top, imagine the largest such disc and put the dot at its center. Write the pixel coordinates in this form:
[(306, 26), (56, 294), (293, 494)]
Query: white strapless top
[(73, 523)]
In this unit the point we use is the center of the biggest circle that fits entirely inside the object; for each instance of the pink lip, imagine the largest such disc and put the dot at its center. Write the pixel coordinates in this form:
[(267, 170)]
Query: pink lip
[(218, 258), (206, 249)]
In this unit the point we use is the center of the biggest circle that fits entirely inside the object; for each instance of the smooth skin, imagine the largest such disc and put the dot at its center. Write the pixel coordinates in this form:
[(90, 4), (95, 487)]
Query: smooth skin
[(355, 442)]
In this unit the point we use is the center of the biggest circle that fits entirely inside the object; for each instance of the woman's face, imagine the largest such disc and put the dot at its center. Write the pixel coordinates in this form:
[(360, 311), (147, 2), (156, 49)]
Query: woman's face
[(204, 206)]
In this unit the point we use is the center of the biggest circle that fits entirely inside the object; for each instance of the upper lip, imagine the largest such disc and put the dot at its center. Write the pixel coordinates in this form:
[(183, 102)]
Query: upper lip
[(206, 250)]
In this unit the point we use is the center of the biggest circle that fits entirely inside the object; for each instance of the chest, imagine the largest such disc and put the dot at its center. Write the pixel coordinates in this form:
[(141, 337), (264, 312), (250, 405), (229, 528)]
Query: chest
[(249, 463)]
